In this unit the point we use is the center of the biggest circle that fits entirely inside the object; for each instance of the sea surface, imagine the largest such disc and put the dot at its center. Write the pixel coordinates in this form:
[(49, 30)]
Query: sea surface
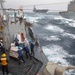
[(57, 37)]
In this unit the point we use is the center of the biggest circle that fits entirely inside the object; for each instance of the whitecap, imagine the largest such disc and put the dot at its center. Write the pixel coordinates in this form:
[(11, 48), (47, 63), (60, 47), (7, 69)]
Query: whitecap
[(56, 53), (51, 38), (33, 19), (67, 22), (69, 35), (54, 28)]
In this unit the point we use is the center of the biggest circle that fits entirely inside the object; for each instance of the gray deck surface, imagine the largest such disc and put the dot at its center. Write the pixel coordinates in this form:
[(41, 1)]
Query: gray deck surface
[(30, 67), (39, 54)]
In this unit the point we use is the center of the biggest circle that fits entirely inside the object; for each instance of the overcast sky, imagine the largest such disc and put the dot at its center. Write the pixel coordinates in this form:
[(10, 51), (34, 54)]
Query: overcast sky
[(17, 3)]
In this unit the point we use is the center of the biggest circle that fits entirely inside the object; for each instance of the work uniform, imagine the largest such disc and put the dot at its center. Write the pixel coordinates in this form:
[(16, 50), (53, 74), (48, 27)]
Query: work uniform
[(20, 56), (2, 48), (26, 49), (4, 63), (20, 13), (16, 41), (32, 47)]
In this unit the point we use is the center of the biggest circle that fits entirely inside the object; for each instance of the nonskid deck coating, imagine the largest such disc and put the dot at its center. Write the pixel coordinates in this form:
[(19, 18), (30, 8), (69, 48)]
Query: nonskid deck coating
[(30, 67)]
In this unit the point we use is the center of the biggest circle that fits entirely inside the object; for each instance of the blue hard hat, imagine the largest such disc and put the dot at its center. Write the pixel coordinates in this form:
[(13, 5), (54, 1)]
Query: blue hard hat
[(30, 40), (18, 47)]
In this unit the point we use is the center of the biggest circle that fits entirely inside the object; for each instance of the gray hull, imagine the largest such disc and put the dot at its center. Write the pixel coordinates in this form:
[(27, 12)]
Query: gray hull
[(41, 11), (69, 15)]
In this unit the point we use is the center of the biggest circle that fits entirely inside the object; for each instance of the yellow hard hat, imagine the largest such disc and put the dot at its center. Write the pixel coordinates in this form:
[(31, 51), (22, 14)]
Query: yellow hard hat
[(4, 55)]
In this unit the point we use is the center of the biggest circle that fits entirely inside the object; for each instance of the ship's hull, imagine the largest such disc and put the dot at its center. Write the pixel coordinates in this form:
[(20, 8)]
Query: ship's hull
[(69, 15), (40, 11)]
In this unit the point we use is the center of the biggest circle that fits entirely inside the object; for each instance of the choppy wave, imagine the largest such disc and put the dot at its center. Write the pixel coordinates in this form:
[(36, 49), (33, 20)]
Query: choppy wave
[(56, 53), (54, 28), (67, 22), (51, 26), (51, 38), (32, 19), (69, 35)]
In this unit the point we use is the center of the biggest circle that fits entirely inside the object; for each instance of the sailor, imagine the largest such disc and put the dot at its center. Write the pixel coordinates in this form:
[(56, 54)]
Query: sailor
[(31, 47), (15, 16), (5, 19), (4, 63), (26, 49), (25, 23), (20, 13), (16, 41), (20, 55), (2, 48)]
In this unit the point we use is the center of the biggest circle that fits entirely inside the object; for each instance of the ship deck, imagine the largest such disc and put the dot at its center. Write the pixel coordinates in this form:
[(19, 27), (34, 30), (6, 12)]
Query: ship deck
[(30, 67)]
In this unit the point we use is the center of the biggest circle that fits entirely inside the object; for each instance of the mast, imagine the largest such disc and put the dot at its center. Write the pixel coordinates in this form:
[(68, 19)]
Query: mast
[(34, 9), (1, 7)]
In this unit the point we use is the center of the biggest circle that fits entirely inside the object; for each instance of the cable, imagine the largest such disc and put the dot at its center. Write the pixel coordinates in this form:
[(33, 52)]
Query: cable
[(12, 9), (46, 4), (29, 9)]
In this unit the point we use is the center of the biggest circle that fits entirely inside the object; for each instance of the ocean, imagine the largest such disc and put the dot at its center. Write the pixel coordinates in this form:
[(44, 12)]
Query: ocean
[(57, 37)]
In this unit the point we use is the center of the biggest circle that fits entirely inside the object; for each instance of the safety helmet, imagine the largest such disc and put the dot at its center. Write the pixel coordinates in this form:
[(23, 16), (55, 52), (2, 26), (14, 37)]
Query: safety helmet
[(18, 47), (30, 41), (3, 55)]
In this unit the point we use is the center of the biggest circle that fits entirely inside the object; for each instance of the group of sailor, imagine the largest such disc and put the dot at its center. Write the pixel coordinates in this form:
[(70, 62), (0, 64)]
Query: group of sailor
[(19, 16), (4, 61), (26, 49), (29, 51), (5, 17)]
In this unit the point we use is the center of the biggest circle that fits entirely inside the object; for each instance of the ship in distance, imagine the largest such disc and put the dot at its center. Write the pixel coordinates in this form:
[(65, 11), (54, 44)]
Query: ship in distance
[(40, 10), (70, 13)]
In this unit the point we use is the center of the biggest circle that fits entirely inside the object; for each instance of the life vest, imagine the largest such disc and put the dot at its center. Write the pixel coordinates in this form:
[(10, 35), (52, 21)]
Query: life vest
[(4, 61)]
